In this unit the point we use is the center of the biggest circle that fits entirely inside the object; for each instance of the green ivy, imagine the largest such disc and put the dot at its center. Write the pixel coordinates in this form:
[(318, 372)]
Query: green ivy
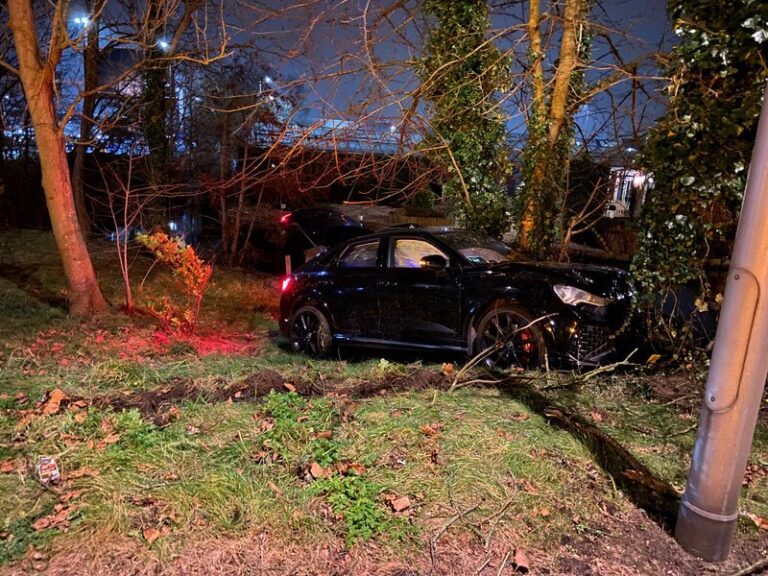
[(699, 151), (462, 73)]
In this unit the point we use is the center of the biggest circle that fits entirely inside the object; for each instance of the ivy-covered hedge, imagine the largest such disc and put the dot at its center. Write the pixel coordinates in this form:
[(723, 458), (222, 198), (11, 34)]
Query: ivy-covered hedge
[(699, 151)]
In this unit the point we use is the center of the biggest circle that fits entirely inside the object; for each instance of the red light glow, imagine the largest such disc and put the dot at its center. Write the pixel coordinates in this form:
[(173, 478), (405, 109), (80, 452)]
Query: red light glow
[(286, 283), (285, 218)]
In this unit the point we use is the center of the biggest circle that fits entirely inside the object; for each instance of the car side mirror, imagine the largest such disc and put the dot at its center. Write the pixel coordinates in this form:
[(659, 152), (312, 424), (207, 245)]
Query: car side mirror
[(433, 262)]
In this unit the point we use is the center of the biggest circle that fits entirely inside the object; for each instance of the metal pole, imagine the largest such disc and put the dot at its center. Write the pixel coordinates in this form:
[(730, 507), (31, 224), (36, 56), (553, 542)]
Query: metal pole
[(709, 508)]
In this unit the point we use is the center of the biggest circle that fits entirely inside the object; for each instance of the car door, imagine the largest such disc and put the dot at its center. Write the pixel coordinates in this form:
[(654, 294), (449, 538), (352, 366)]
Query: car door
[(351, 290), (418, 305)]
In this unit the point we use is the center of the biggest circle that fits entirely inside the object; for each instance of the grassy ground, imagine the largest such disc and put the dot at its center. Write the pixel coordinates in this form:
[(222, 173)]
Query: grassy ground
[(401, 482)]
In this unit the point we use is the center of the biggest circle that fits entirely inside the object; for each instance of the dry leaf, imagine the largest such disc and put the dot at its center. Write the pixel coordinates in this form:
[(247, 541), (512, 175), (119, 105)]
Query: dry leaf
[(447, 369), (543, 512), (69, 496), (597, 416), (520, 416), (400, 504), (355, 468), (113, 438), (7, 466), (520, 562), (318, 471), (80, 417), (80, 472), (760, 522), (151, 534), (274, 488), (55, 398), (327, 434), (42, 523), (290, 387)]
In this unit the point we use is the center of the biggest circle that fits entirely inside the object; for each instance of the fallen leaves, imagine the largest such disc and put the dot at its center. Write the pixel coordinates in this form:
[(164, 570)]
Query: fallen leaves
[(62, 515), (315, 471)]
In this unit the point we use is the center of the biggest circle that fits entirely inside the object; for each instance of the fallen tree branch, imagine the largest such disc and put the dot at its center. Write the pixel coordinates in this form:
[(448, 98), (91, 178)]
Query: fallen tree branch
[(483, 354), (755, 568)]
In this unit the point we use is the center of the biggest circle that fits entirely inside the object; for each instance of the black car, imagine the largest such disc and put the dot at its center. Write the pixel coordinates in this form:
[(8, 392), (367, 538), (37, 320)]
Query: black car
[(455, 290), (312, 230)]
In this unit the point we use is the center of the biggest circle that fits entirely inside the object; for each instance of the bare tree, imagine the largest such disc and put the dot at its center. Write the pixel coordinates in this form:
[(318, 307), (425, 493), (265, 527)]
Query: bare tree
[(37, 73)]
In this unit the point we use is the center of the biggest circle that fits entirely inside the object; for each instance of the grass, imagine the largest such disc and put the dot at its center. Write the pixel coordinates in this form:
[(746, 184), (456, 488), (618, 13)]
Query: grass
[(221, 468)]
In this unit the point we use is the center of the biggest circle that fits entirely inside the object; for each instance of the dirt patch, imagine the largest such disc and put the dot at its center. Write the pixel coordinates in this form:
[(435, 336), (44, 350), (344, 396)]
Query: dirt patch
[(623, 545), (154, 403), (629, 544)]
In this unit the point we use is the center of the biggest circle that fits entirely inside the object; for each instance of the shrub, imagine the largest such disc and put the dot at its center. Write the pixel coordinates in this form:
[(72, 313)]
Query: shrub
[(191, 275)]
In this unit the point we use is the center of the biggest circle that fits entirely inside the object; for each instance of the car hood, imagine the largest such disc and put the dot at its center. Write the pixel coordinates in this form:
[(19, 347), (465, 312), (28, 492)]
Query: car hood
[(602, 280)]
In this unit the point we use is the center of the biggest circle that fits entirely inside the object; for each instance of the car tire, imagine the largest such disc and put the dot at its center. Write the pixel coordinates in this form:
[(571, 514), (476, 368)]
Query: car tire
[(310, 332), (511, 338)]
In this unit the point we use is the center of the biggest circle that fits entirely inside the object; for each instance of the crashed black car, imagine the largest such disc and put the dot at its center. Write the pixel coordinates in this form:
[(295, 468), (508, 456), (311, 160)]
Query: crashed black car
[(457, 291)]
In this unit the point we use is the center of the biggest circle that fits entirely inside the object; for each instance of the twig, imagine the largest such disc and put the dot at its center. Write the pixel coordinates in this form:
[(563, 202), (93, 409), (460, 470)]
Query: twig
[(439, 533), (503, 563), (682, 432), (483, 565), (483, 354), (755, 568), (581, 378)]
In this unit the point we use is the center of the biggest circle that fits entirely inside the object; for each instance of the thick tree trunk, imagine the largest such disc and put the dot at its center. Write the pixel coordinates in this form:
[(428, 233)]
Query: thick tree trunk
[(37, 78), (549, 118)]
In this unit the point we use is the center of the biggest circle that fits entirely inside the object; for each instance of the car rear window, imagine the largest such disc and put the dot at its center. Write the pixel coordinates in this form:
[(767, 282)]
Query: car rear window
[(477, 248)]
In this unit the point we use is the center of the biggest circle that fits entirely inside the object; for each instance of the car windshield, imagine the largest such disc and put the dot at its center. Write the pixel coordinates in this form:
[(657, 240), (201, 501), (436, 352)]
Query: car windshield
[(477, 248)]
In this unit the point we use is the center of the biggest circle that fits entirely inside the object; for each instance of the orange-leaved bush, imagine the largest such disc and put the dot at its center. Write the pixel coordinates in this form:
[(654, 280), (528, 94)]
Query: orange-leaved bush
[(190, 273)]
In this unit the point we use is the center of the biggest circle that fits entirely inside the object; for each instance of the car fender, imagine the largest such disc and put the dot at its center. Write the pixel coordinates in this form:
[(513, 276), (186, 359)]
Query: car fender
[(311, 299)]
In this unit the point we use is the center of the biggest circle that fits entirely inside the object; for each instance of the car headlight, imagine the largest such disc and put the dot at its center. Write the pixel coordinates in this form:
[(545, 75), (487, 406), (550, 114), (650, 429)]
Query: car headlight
[(572, 295)]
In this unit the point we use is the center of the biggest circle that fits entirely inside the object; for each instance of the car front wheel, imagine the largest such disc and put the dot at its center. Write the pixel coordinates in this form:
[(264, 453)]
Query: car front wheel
[(310, 332), (509, 337)]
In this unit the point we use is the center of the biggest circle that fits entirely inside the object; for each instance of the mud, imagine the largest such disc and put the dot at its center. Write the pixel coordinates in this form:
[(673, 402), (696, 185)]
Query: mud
[(153, 404)]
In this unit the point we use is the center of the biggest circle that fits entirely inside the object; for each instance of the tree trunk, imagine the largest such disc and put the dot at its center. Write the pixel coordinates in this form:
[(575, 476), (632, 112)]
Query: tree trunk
[(37, 78), (91, 80), (535, 121)]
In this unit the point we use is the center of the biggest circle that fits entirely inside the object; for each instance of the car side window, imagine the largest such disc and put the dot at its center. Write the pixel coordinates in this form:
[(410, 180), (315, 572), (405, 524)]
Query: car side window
[(360, 256), (406, 252)]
